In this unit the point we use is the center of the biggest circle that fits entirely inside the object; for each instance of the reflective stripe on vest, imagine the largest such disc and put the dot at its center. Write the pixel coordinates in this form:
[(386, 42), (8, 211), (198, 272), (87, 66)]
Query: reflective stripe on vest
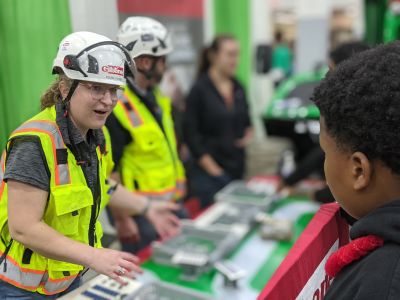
[(131, 112), (21, 277), (168, 194), (62, 175), (31, 279), (55, 286), (160, 196), (2, 170), (180, 188)]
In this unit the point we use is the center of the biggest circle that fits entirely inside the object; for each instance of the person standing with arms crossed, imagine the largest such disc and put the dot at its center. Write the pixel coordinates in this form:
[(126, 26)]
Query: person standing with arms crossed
[(217, 126)]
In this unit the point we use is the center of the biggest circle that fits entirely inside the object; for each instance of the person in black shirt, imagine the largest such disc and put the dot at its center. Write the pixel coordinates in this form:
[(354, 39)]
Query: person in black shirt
[(217, 124), (360, 117), (313, 162)]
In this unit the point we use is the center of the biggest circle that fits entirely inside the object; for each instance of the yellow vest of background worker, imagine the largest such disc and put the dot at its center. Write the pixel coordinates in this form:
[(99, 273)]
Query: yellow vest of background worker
[(69, 210), (150, 164)]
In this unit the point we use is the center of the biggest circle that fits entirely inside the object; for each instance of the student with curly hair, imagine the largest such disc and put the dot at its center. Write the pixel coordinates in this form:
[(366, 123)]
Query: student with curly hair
[(359, 103)]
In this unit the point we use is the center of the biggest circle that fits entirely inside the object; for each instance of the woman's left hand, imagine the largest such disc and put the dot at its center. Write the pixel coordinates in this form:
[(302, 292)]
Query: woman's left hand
[(246, 139), (161, 215)]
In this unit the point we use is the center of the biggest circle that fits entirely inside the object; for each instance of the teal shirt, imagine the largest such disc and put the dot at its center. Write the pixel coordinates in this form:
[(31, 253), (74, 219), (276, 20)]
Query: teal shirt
[(282, 58)]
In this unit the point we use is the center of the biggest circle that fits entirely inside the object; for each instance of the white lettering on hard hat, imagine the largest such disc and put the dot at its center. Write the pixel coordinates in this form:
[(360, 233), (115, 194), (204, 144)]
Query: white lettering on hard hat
[(113, 70), (65, 45)]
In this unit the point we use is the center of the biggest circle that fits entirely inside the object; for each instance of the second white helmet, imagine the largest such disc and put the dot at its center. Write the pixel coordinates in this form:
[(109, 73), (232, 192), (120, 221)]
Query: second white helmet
[(144, 36)]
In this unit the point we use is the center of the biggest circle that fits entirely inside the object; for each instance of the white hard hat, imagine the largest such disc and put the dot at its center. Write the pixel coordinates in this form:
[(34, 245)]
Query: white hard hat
[(144, 36), (92, 57)]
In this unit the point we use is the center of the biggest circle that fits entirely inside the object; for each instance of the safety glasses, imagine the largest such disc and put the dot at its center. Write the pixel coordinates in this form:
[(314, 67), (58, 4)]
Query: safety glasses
[(98, 91)]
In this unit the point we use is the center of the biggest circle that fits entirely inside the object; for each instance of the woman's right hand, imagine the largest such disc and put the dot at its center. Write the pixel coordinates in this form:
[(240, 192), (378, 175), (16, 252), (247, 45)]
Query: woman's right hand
[(210, 166), (215, 172), (161, 216), (114, 264), (127, 229)]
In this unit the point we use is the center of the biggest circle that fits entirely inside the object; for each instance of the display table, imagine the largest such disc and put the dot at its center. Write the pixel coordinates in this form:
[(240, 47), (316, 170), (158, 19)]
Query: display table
[(252, 260)]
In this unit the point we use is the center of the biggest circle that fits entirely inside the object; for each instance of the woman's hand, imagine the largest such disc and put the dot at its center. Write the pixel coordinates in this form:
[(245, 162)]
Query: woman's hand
[(285, 190), (210, 165), (114, 264), (160, 214), (246, 139), (127, 229)]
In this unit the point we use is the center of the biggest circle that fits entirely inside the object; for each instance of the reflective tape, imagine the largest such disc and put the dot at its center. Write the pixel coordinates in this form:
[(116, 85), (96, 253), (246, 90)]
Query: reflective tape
[(180, 189), (2, 164), (33, 280), (159, 196), (62, 175), (2, 170), (131, 112), (168, 194), (20, 277), (55, 286)]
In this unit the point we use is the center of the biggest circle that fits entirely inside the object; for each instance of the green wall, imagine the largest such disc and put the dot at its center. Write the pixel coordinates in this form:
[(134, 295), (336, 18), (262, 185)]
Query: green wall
[(374, 12), (30, 31)]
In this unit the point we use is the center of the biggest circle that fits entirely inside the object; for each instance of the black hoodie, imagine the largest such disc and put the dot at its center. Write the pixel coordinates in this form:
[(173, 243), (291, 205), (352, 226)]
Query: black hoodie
[(376, 275)]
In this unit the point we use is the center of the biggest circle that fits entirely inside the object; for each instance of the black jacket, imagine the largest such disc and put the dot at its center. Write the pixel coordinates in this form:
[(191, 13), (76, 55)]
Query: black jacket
[(377, 275), (211, 128)]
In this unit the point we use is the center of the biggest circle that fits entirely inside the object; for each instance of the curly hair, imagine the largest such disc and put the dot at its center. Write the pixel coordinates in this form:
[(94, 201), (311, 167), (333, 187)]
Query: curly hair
[(52, 95), (346, 50), (360, 104)]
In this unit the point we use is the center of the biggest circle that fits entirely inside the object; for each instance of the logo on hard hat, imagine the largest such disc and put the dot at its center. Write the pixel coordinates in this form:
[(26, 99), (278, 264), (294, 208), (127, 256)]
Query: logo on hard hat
[(65, 45), (113, 70)]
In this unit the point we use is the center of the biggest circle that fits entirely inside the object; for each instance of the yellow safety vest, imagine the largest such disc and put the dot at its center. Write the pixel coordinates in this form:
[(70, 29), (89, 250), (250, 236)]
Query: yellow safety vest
[(68, 210), (150, 164)]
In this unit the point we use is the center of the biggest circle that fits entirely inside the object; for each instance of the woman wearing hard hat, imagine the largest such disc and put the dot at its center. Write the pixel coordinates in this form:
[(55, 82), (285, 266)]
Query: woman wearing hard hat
[(54, 178)]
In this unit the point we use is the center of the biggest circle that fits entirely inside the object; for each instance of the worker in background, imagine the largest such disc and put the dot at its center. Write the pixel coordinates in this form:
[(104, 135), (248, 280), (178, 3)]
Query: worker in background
[(282, 59), (217, 125), (54, 178), (314, 160), (142, 131)]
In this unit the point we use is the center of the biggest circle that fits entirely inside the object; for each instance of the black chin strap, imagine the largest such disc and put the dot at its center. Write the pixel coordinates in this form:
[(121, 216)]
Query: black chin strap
[(72, 89)]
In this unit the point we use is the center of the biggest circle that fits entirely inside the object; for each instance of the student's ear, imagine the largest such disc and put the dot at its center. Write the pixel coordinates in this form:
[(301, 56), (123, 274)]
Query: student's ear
[(361, 169), (64, 89)]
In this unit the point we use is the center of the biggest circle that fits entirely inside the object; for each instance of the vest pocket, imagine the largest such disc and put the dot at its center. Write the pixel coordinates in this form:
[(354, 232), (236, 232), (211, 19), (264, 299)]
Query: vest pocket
[(69, 201), (148, 138)]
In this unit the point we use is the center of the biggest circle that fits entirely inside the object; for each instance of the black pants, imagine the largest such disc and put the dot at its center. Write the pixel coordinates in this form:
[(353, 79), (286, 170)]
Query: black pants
[(206, 186)]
